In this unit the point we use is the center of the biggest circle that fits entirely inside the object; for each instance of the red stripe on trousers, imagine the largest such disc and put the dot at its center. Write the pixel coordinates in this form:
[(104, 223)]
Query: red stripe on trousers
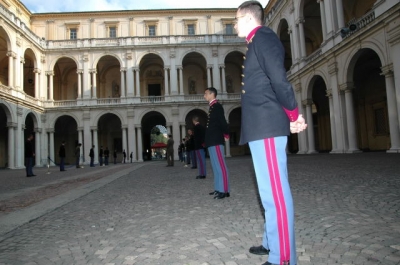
[(222, 166), (279, 200)]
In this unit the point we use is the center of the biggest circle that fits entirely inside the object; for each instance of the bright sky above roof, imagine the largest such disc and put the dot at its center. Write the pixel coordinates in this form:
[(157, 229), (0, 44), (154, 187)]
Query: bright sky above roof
[(49, 6)]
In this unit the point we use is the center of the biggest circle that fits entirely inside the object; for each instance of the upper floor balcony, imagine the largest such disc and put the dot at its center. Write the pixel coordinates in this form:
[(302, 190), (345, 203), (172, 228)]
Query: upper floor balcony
[(18, 96)]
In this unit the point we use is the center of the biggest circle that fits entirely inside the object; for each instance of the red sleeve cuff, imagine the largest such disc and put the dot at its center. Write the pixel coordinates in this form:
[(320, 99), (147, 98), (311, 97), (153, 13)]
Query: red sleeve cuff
[(292, 114), (226, 136)]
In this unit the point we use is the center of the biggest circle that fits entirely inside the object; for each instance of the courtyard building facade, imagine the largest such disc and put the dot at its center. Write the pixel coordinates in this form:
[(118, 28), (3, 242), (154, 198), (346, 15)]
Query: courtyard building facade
[(109, 78)]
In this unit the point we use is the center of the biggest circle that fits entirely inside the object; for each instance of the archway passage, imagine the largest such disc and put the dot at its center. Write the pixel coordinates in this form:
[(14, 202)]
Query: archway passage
[(65, 80), (3, 139), (109, 135), (149, 121), (312, 26), (370, 102), (233, 72), (285, 39), (321, 116), (66, 129), (158, 142), (194, 73)]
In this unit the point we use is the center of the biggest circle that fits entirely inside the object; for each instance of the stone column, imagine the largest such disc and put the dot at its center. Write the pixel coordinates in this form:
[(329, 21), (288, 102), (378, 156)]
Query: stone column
[(94, 83), (131, 134), (86, 80), (38, 145), (166, 87), (332, 120), (50, 84), (216, 74), (180, 71), (302, 137), (302, 39), (137, 70), (183, 131), (340, 14), (223, 87), (292, 46), (173, 74), (228, 146), (209, 68), (11, 144), (394, 128), (175, 130), (131, 83), (310, 126), (350, 117), (87, 136), (124, 141), (330, 19), (96, 144), (79, 72), (37, 72), (340, 144), (51, 151), (323, 17), (21, 74), (16, 72), (139, 142), (11, 56), (19, 139), (123, 70)]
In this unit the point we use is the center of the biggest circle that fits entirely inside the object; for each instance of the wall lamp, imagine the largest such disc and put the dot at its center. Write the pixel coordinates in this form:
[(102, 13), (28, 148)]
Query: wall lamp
[(345, 31)]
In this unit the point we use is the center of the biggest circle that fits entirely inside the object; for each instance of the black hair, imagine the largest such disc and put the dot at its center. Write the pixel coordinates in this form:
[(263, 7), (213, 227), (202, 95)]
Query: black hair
[(254, 8), (212, 90)]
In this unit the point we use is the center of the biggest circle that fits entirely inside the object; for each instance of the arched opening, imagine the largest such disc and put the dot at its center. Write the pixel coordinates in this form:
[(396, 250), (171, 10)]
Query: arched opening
[(109, 78), (66, 129), (149, 121), (109, 135), (4, 59), (194, 73), (235, 118), (196, 112), (233, 71), (355, 9), (285, 39), (3, 138), (65, 80), (370, 101), (158, 142), (152, 76), (312, 26), (29, 75), (321, 116)]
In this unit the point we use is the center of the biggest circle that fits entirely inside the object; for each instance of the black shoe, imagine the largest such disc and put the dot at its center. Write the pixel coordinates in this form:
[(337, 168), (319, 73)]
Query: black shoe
[(227, 194), (267, 263), (193, 167), (28, 176), (214, 193), (260, 250), (200, 177), (220, 195)]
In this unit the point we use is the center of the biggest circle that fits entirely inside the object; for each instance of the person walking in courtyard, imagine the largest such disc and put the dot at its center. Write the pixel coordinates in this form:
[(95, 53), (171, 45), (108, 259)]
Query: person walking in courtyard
[(124, 154), (199, 134), (77, 155), (101, 153), (269, 114), (191, 148), (91, 155), (131, 156), (216, 135), (170, 151), (106, 156), (61, 154), (29, 155)]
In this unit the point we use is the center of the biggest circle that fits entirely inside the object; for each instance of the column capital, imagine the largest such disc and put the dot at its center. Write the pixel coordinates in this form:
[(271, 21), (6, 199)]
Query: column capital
[(332, 68), (346, 87), (124, 126), (79, 71), (307, 102), (12, 125), (179, 67), (38, 130), (297, 87), (138, 126), (328, 93), (11, 54), (80, 129), (387, 70), (136, 69), (50, 73), (50, 130), (93, 128), (123, 69), (300, 20), (166, 68), (93, 71), (222, 66), (209, 67)]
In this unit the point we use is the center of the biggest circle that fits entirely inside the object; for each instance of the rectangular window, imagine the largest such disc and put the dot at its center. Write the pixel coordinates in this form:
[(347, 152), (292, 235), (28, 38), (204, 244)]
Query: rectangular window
[(229, 29), (113, 32), (152, 30), (72, 34), (191, 29)]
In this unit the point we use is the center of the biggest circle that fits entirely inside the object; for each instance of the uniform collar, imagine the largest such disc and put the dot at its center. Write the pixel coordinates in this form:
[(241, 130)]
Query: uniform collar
[(212, 102), (252, 33)]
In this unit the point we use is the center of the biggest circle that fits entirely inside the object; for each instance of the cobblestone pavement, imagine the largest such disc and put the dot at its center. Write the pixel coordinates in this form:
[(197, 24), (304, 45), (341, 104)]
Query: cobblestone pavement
[(347, 212)]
